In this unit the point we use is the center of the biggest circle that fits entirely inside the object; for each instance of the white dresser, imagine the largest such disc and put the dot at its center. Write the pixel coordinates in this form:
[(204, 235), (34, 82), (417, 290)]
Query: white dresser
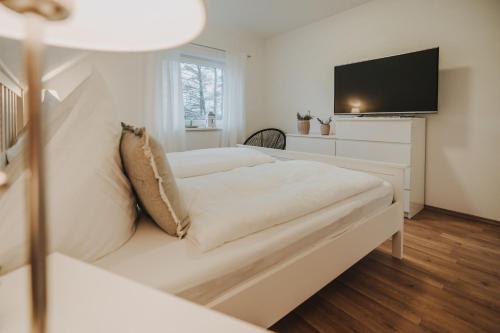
[(312, 143), (385, 139)]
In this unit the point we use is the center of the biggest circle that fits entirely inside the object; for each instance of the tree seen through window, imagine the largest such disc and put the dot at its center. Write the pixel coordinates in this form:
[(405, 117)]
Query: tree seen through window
[(202, 91)]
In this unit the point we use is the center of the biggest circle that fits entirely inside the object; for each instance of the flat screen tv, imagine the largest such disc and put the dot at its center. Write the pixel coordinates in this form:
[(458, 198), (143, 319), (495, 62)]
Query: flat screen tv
[(401, 84)]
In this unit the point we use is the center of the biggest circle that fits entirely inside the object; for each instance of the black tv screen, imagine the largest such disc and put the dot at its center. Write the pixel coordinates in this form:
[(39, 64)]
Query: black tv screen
[(399, 84)]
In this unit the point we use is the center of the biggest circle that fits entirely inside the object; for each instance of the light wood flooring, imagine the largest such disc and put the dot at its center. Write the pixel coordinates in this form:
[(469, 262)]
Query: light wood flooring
[(449, 281)]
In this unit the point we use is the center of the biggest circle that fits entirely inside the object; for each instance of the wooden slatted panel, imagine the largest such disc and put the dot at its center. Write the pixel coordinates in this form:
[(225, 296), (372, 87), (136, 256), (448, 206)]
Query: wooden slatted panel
[(11, 117), (3, 112), (19, 114), (2, 121), (14, 123)]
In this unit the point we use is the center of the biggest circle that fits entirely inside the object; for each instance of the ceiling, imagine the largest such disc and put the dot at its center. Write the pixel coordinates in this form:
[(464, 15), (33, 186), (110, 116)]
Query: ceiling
[(270, 17)]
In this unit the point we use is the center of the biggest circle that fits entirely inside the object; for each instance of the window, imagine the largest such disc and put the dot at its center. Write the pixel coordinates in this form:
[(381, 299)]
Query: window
[(202, 90)]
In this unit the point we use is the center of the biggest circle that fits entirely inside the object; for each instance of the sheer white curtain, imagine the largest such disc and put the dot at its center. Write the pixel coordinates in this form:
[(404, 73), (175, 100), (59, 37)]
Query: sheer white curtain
[(164, 104), (233, 121)]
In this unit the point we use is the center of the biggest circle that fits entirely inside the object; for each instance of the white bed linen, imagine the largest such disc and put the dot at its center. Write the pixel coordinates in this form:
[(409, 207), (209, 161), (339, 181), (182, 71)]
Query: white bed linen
[(206, 161), (230, 205), (177, 266)]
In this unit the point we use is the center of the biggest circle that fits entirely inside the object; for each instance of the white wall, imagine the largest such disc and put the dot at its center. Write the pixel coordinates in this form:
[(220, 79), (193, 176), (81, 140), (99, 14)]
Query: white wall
[(463, 154), (125, 75), (253, 45), (202, 138), (11, 55)]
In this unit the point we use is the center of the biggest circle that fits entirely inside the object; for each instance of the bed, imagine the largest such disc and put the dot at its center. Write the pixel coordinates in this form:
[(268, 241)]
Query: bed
[(261, 277)]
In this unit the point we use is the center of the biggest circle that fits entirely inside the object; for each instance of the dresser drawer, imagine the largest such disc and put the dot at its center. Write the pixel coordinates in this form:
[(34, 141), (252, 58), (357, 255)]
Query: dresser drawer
[(316, 145), (375, 151), (373, 130)]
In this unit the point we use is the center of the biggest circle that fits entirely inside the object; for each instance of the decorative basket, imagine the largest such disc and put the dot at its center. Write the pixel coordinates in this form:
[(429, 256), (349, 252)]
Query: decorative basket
[(325, 129), (303, 126)]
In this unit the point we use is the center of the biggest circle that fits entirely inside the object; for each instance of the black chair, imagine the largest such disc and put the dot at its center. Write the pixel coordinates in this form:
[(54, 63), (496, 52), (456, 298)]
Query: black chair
[(268, 138)]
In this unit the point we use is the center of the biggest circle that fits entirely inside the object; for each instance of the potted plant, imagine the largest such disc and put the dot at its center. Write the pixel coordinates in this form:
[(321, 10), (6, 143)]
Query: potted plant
[(303, 122), (325, 126)]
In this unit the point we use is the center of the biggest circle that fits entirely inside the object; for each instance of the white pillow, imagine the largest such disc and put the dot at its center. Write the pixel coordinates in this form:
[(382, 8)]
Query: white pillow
[(90, 206), (206, 161)]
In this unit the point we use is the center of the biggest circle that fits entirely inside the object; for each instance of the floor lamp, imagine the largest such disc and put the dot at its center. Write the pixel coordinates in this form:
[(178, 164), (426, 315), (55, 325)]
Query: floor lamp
[(99, 25)]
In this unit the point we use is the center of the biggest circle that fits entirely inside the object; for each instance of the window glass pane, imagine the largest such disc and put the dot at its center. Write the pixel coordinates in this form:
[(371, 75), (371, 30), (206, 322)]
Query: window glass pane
[(202, 91)]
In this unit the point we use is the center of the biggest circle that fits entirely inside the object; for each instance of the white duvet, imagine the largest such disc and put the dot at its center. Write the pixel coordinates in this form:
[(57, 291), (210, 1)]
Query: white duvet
[(206, 161), (230, 205)]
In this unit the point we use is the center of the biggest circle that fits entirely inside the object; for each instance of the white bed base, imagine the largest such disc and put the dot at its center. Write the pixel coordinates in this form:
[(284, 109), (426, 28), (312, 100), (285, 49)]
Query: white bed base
[(270, 295)]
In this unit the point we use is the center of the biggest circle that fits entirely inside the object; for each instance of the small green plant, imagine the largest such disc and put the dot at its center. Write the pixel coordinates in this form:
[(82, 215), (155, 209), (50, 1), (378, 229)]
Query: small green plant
[(325, 122), (306, 116)]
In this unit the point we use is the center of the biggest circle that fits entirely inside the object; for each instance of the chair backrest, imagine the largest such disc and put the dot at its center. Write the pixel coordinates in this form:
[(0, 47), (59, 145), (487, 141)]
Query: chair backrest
[(268, 138)]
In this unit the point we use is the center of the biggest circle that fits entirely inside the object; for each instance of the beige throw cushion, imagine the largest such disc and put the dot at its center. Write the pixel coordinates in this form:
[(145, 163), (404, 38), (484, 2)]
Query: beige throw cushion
[(149, 172)]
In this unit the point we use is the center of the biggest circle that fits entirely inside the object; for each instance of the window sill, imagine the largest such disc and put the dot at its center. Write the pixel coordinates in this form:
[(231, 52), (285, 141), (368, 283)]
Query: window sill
[(201, 129)]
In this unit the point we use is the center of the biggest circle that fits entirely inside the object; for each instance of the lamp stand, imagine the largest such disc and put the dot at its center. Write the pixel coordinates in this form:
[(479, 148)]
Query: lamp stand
[(35, 191), (36, 11)]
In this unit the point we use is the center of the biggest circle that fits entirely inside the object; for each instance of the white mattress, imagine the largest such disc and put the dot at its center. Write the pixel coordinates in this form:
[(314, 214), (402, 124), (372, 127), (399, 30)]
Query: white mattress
[(177, 266)]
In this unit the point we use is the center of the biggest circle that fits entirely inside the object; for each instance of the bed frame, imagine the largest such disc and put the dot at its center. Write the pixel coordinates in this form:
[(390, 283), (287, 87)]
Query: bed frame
[(270, 295)]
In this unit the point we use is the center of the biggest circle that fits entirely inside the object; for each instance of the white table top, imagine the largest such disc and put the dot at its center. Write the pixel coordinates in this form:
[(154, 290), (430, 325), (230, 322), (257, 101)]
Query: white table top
[(84, 298)]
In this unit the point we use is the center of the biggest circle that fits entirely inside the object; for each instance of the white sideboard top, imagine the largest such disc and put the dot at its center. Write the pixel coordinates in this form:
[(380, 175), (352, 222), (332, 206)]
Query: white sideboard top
[(337, 119), (311, 135)]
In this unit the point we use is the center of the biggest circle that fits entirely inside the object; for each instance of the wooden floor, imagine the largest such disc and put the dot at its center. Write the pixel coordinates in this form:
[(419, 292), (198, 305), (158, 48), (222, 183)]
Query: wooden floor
[(449, 281)]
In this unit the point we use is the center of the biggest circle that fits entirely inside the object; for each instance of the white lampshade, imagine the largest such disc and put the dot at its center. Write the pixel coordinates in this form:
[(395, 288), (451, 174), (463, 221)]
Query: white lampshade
[(117, 25)]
